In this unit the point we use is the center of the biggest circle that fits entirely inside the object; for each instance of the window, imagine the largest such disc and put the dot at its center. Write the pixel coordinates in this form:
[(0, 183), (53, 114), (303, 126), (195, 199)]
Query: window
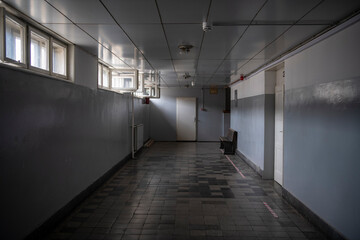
[(14, 40), (103, 76), (147, 91), (99, 75), (140, 89), (124, 79), (28, 47), (59, 58), (39, 50), (117, 79)]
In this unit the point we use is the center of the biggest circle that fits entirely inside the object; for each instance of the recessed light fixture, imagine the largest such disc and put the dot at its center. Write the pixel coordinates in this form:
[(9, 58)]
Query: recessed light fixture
[(185, 48), (187, 75)]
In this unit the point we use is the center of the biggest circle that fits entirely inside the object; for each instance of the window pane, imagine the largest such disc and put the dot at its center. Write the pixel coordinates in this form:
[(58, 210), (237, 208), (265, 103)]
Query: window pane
[(99, 74), (147, 91), (39, 51), (105, 77), (15, 37), (59, 59), (141, 83), (123, 79)]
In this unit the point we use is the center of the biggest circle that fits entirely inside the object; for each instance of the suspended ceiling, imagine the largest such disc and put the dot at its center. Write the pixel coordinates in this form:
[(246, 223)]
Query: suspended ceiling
[(145, 34)]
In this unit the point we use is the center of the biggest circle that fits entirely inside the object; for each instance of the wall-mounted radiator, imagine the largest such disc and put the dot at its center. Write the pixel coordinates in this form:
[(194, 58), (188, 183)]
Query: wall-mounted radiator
[(138, 136)]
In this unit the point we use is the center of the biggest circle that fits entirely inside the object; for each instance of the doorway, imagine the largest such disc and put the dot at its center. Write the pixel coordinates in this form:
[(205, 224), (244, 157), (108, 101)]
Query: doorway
[(279, 126), (186, 120)]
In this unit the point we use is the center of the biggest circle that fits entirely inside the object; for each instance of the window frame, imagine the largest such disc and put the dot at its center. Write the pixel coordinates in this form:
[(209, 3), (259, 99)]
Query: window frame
[(100, 82), (136, 79), (152, 87), (5, 14), (30, 26), (102, 66), (31, 67), (51, 67), (140, 87)]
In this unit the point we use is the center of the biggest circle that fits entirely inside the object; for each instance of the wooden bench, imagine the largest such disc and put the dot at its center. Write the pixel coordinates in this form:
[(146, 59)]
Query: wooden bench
[(229, 142)]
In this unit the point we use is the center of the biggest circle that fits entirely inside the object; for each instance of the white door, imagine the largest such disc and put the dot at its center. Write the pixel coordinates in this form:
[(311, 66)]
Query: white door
[(279, 126), (186, 119)]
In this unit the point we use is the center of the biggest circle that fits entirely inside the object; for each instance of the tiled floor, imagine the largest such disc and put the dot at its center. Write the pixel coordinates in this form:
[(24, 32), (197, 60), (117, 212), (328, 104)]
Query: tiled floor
[(185, 191)]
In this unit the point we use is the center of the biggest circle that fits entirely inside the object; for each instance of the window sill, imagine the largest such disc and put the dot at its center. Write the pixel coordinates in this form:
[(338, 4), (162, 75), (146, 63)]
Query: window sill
[(33, 72)]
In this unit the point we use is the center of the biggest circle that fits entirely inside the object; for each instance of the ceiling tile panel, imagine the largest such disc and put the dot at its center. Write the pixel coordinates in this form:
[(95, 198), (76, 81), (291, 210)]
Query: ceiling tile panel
[(249, 66), (268, 37), (170, 79), (208, 66), (41, 11), (113, 38), (219, 41), (183, 66), (331, 11), (111, 59), (149, 38), (293, 37), (75, 35), (164, 66), (133, 11), (254, 40), (83, 11), (138, 63), (285, 10), (184, 11), (228, 66), (234, 11)]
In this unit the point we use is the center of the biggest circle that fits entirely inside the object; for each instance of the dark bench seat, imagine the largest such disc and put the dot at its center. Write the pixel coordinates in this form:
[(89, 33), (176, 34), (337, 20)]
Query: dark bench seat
[(229, 142)]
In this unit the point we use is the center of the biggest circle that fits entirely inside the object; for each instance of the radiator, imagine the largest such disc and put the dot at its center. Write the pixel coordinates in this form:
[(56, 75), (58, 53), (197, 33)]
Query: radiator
[(138, 137)]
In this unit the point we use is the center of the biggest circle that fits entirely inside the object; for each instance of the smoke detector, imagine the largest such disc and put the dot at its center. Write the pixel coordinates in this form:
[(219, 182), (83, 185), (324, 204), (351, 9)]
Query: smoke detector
[(185, 48), (207, 27)]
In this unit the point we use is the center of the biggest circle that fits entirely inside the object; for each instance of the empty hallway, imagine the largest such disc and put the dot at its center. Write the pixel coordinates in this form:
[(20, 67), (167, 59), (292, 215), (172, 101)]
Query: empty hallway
[(185, 191), (86, 84)]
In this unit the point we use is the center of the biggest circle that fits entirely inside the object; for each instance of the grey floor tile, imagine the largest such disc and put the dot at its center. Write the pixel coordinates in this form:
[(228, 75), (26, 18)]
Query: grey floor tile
[(185, 191)]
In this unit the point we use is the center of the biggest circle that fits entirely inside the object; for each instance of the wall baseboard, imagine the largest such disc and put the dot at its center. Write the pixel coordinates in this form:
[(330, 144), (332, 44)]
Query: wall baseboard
[(65, 211), (306, 212), (250, 163), (313, 218)]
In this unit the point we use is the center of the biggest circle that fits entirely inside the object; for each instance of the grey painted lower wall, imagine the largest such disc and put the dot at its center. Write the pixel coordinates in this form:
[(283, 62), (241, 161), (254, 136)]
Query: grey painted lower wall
[(321, 151), (56, 139), (163, 114), (253, 119), (247, 118)]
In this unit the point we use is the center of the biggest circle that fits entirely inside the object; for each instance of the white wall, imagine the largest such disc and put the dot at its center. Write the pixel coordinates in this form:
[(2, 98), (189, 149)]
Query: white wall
[(335, 58), (250, 87)]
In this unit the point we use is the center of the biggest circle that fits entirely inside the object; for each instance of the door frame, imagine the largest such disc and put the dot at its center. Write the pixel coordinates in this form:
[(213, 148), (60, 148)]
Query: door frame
[(282, 86)]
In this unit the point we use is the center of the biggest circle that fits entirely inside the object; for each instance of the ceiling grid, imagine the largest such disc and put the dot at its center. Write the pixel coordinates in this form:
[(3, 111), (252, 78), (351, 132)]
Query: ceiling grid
[(145, 34)]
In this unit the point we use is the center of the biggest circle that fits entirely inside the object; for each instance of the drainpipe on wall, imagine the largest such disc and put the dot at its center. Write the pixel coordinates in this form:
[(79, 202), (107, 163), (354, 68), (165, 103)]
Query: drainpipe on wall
[(132, 126)]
